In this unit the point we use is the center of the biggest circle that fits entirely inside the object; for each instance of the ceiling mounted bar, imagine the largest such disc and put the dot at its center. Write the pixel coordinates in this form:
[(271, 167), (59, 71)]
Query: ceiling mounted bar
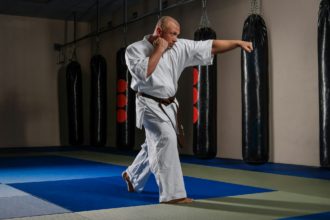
[(107, 29), (87, 11), (183, 2)]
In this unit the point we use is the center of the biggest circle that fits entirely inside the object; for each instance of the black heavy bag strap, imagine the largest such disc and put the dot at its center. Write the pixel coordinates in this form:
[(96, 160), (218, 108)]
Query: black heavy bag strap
[(166, 102)]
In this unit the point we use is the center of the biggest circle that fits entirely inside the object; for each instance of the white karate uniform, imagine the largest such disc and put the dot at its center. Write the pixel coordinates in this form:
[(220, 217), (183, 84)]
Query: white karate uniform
[(159, 154)]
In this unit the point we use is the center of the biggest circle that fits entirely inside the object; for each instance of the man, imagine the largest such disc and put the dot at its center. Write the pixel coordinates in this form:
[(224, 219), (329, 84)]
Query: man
[(155, 64)]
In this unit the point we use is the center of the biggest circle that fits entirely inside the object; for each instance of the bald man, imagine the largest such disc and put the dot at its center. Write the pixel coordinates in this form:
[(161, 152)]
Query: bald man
[(156, 63)]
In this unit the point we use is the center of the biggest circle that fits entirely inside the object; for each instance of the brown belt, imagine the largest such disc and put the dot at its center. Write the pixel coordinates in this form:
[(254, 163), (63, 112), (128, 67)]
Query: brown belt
[(166, 102)]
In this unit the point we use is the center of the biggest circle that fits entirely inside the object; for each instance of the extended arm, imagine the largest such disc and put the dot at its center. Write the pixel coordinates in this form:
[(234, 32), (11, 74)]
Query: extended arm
[(221, 46)]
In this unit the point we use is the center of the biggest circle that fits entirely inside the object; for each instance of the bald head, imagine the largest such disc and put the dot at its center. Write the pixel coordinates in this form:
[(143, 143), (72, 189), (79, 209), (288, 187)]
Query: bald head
[(167, 28), (165, 21)]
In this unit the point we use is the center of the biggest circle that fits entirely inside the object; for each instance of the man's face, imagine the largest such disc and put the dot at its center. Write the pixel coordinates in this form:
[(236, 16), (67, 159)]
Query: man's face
[(170, 33)]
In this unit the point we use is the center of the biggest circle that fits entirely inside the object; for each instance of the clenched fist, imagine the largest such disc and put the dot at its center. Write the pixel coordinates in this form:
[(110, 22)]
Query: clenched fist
[(160, 43), (247, 46)]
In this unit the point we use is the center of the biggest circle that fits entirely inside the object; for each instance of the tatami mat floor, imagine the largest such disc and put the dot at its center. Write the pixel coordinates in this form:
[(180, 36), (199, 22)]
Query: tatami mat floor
[(26, 192)]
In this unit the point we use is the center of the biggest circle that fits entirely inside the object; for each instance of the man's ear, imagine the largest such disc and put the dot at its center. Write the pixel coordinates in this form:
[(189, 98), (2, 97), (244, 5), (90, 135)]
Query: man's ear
[(159, 31)]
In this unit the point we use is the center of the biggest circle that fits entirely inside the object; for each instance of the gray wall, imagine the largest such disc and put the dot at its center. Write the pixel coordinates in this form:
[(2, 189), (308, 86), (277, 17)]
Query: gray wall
[(29, 107), (292, 27), (29, 93)]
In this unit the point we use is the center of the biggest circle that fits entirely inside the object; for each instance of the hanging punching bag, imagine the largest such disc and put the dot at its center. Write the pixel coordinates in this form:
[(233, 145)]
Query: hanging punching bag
[(324, 81), (255, 146), (74, 97), (205, 103), (125, 105), (98, 113)]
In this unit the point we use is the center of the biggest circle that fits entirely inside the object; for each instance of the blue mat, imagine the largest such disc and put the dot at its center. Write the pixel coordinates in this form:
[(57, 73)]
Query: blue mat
[(283, 169), (110, 192), (48, 168), (80, 185)]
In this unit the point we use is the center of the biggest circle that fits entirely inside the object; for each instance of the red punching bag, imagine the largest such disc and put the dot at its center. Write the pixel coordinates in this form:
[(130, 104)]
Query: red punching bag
[(205, 99), (125, 105)]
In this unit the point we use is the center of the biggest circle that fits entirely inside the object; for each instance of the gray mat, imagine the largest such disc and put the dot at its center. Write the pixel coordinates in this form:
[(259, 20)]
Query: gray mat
[(8, 191), (22, 206)]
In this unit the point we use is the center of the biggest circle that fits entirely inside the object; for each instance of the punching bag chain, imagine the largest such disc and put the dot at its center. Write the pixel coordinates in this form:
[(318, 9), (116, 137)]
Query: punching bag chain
[(97, 42), (97, 39), (61, 56), (205, 22), (255, 6), (125, 22), (74, 54)]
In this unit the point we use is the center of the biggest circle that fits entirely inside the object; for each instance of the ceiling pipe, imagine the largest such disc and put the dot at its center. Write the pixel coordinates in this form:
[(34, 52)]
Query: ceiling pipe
[(107, 29)]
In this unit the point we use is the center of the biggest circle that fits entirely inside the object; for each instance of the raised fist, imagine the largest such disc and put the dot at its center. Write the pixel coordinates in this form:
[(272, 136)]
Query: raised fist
[(160, 43)]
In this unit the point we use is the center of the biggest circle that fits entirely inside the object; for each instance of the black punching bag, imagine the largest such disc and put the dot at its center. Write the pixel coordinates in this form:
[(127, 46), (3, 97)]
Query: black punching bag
[(205, 103), (98, 117), (255, 124), (324, 81), (74, 97), (125, 105)]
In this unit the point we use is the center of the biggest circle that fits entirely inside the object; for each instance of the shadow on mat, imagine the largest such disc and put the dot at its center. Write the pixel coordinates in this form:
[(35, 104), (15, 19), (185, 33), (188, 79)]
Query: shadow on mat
[(260, 207)]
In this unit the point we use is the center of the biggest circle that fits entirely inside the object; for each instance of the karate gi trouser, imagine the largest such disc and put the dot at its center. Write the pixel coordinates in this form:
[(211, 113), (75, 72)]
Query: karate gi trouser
[(159, 155)]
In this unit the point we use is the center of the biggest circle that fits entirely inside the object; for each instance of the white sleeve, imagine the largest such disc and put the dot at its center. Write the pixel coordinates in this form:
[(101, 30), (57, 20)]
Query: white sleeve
[(137, 63), (197, 52)]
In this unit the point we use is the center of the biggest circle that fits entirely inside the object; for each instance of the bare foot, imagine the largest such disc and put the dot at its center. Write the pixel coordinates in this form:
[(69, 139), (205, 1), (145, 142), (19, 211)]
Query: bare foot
[(179, 201), (130, 187)]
